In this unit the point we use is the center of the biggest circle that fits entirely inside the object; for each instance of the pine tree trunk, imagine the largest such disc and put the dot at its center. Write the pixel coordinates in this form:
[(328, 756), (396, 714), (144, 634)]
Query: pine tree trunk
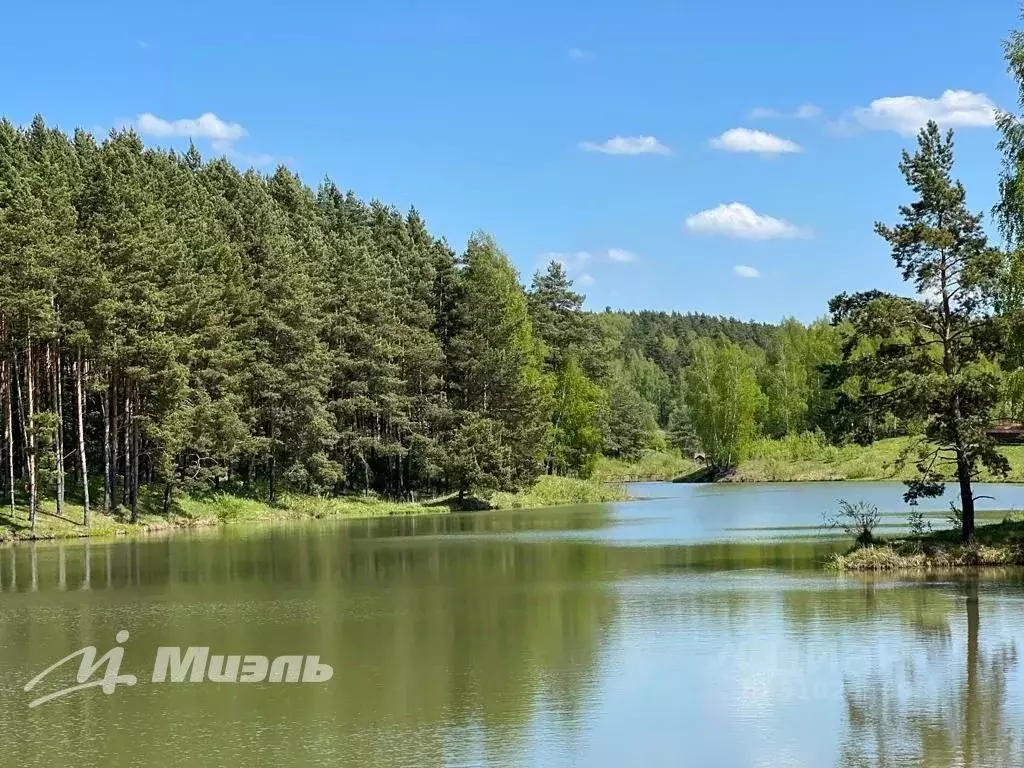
[(963, 474), (108, 452), (58, 398), (30, 440), (115, 438), (272, 486), (131, 457), (9, 427), (127, 437), (80, 401), (136, 451), (16, 378)]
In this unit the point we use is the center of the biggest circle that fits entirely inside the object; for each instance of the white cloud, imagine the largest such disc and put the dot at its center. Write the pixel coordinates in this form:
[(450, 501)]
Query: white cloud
[(748, 272), (571, 261), (257, 161), (747, 140), (579, 54), (206, 126), (628, 145), (803, 112), (738, 221), (621, 255), (908, 114), (575, 263), (221, 134)]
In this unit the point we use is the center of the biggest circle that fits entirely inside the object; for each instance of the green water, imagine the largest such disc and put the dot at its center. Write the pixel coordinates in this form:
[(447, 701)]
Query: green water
[(691, 628)]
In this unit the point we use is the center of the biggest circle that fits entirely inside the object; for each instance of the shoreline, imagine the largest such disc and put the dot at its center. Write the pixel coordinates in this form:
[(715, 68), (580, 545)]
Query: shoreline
[(225, 510), (996, 545)]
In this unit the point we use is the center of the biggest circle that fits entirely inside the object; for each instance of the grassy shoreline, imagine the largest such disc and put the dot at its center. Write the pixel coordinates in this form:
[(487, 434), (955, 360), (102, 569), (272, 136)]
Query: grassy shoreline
[(226, 509), (996, 544), (652, 466), (805, 459)]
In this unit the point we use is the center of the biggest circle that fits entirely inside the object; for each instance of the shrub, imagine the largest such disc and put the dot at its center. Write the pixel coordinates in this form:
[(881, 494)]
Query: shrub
[(857, 520)]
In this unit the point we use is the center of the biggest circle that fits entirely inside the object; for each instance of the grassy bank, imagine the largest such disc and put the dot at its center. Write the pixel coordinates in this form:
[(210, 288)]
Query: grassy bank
[(805, 458), (557, 491), (652, 465), (225, 509), (996, 544)]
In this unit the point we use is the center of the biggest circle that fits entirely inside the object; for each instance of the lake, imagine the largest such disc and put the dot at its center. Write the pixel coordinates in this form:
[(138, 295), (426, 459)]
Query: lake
[(692, 627)]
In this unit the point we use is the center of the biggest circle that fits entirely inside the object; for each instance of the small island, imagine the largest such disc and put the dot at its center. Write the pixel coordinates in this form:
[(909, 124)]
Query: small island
[(995, 544)]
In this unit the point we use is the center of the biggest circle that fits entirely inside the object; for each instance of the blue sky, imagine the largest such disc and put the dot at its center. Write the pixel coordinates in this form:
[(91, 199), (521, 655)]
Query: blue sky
[(527, 120)]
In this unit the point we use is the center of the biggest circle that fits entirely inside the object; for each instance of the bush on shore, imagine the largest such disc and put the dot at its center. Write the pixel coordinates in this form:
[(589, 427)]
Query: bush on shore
[(995, 544)]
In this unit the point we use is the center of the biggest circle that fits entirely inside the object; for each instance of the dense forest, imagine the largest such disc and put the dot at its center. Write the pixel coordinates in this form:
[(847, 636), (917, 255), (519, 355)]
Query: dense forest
[(170, 321), (175, 323)]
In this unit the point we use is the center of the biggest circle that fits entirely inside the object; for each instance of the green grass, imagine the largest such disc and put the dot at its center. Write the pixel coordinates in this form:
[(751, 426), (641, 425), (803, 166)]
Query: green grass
[(807, 458), (226, 508), (550, 491), (996, 544), (229, 509), (652, 465), (16, 526)]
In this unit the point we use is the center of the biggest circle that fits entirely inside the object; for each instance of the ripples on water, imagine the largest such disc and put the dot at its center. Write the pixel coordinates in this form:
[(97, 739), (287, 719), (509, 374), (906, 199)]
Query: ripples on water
[(692, 629)]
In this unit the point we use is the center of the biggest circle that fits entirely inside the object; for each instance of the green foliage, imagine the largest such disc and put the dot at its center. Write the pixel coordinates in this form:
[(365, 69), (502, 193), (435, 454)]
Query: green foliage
[(651, 465), (551, 490), (933, 358), (628, 420), (497, 360), (560, 322), (724, 398), (575, 441), (227, 330), (857, 520)]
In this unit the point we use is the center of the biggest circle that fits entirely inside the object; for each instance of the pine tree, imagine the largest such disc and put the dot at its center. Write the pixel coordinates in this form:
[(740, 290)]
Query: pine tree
[(560, 322), (496, 359), (628, 420), (933, 360)]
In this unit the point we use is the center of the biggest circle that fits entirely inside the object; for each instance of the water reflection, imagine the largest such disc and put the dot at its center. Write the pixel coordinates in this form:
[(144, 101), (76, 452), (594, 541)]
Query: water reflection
[(949, 707), (550, 638)]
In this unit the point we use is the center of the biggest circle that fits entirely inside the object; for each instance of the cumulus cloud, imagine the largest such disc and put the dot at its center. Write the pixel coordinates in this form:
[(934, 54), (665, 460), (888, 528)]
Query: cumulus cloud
[(221, 134), (261, 160), (748, 272), (739, 221), (576, 263), (621, 255), (627, 145), (571, 261), (206, 126), (908, 114), (803, 112), (747, 140)]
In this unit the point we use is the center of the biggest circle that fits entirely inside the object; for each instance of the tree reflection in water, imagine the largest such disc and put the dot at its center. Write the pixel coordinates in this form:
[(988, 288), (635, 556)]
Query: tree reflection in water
[(943, 708)]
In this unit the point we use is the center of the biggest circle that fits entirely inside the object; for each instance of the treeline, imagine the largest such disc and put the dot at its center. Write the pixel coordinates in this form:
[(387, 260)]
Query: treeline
[(177, 324), (170, 321)]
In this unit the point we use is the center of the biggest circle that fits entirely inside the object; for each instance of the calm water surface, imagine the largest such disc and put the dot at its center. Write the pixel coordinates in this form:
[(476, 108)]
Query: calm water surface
[(692, 628)]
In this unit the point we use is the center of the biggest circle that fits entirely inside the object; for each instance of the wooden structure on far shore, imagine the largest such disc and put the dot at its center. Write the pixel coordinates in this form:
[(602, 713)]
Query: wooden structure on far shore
[(1007, 432)]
